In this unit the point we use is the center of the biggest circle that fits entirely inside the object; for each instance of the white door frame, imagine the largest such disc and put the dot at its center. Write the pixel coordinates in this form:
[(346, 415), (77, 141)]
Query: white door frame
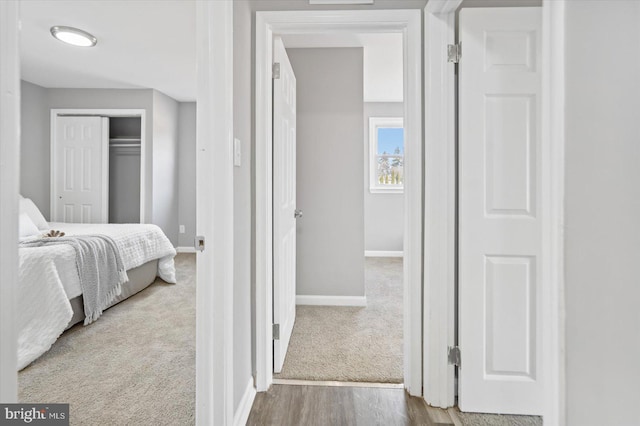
[(407, 22), (105, 112), (214, 213), (9, 190), (553, 187), (214, 326), (440, 201)]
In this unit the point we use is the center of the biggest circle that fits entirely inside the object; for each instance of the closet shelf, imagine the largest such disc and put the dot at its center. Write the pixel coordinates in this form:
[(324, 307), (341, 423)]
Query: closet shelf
[(124, 145), (124, 140)]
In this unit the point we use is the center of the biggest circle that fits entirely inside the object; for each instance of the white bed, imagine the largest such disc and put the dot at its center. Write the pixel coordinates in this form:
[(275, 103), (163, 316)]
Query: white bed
[(50, 288)]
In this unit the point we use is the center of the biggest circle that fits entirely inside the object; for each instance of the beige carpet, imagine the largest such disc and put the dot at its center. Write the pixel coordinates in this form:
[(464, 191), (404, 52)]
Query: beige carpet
[(134, 366), (348, 343), (478, 419)]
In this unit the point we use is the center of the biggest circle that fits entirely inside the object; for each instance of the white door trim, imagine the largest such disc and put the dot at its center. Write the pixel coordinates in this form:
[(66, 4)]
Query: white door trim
[(407, 22), (214, 211), (9, 189), (106, 112), (553, 184), (440, 203)]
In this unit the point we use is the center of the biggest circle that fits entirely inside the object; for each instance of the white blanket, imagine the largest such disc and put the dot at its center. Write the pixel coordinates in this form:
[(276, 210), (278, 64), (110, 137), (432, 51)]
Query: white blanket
[(43, 308), (138, 244), (49, 278)]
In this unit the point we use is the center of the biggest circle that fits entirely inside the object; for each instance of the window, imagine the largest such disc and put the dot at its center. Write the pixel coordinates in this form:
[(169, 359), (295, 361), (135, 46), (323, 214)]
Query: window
[(386, 154)]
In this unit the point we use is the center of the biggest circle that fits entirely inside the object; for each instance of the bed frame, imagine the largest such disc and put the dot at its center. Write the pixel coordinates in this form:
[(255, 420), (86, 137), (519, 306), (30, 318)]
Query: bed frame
[(139, 279)]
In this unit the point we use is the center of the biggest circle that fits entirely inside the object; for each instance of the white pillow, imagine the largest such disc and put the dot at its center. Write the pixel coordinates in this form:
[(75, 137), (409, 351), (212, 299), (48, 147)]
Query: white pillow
[(28, 206), (27, 228)]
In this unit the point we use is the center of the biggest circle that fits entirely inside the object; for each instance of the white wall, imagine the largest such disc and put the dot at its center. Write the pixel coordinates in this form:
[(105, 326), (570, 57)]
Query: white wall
[(330, 166), (383, 67), (602, 227), (187, 172), (383, 213), (242, 200)]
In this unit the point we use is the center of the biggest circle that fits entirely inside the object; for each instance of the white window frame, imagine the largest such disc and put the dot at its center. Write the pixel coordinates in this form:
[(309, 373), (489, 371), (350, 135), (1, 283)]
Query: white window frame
[(374, 124)]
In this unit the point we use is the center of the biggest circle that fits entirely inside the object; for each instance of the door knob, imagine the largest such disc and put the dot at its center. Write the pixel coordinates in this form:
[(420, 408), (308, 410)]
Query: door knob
[(297, 213)]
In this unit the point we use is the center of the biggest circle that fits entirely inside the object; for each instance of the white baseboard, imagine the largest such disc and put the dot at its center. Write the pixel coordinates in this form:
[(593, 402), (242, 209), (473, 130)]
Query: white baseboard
[(244, 408), (186, 249), (332, 300), (377, 253)]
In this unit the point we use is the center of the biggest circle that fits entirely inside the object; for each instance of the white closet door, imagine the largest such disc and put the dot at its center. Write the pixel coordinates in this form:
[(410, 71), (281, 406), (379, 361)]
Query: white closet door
[(79, 170), (284, 203), (500, 205)]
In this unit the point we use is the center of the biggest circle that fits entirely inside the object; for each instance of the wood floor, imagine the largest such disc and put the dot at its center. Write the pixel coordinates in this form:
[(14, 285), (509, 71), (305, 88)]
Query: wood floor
[(285, 405)]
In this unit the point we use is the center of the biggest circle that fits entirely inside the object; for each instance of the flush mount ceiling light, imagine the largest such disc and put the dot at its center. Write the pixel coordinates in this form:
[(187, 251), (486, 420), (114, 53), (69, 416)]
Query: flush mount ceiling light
[(73, 36)]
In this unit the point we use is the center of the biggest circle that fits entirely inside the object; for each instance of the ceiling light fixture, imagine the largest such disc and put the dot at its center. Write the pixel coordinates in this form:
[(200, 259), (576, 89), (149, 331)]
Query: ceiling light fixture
[(73, 36)]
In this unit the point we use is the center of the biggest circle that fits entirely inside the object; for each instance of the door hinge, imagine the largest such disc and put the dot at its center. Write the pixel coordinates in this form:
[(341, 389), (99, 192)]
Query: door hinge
[(275, 72), (454, 52), (276, 332), (453, 354)]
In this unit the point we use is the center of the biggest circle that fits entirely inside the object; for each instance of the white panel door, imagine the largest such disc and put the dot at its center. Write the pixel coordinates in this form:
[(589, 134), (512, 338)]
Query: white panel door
[(499, 211), (79, 170), (284, 203)]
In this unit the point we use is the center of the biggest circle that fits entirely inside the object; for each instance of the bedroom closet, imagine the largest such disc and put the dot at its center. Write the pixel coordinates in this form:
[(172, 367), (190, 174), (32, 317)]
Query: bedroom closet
[(96, 167), (124, 169)]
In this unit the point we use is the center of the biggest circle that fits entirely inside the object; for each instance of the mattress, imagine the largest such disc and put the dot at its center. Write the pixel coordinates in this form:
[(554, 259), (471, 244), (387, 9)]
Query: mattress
[(139, 279)]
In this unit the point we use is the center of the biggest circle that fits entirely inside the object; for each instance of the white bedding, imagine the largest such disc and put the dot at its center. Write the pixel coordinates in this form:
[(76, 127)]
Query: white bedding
[(138, 244), (48, 279), (43, 308)]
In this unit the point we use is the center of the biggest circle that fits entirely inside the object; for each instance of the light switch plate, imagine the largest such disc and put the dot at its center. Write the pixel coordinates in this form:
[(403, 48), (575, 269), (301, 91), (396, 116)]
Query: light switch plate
[(182, 230), (237, 153)]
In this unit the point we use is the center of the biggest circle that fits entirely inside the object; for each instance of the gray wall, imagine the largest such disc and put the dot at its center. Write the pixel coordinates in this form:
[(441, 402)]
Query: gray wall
[(109, 98), (35, 167), (242, 204), (162, 148), (187, 172), (330, 166), (165, 165), (383, 213), (602, 211)]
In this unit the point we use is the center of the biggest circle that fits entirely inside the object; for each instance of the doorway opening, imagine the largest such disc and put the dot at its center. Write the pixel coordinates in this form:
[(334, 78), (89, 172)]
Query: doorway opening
[(349, 184), (269, 26), (101, 143)]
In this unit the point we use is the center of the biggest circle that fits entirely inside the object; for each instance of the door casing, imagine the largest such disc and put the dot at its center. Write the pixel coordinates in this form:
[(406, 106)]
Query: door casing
[(56, 112), (407, 22)]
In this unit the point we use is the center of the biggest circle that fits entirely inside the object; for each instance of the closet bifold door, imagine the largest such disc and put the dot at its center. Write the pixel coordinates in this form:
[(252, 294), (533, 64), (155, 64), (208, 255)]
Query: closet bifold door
[(79, 169)]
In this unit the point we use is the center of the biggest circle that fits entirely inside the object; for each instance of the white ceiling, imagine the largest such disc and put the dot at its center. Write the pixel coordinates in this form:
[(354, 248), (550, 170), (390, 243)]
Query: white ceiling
[(141, 44), (383, 67)]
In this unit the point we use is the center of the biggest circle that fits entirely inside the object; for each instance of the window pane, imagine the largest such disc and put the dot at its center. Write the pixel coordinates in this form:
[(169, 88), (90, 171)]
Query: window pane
[(390, 140), (390, 170)]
